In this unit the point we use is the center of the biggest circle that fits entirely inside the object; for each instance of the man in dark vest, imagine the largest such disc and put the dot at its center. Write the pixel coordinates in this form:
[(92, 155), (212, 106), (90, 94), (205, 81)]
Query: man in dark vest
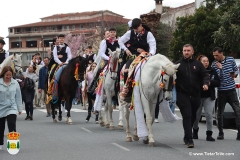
[(141, 41), (111, 43), (3, 54), (62, 55)]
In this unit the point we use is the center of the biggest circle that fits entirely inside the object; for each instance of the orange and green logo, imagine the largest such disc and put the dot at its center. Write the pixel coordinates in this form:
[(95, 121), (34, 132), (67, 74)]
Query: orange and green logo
[(13, 142)]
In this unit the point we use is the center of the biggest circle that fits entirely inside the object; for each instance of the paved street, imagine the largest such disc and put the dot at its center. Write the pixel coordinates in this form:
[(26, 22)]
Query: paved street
[(41, 139)]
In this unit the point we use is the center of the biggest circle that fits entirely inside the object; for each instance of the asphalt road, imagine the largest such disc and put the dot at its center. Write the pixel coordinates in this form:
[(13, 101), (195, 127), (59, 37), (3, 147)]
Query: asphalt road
[(41, 139)]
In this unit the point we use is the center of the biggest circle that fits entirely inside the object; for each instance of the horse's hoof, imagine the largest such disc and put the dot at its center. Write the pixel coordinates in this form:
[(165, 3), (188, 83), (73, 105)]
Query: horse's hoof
[(107, 125), (145, 141), (151, 144), (120, 127), (136, 138), (70, 121), (112, 128), (87, 121), (101, 124), (60, 118), (84, 108), (129, 139), (54, 120)]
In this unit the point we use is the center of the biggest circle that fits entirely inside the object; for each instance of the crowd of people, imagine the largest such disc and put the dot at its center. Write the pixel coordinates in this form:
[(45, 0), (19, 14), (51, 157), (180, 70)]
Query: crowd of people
[(194, 90)]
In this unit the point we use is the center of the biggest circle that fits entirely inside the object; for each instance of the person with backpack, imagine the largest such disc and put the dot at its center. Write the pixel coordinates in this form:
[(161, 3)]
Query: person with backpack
[(28, 90)]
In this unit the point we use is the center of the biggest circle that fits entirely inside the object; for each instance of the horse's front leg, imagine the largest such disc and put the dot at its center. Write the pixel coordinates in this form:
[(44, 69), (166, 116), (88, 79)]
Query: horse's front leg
[(110, 109), (127, 115), (53, 111), (101, 122), (120, 123), (106, 112), (69, 106), (60, 110)]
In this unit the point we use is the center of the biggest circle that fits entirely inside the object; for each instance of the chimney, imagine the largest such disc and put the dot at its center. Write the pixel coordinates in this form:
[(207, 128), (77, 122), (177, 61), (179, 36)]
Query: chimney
[(159, 8)]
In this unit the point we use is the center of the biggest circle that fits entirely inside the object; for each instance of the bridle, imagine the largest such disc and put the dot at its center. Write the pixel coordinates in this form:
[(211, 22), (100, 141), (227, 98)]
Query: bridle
[(113, 68), (16, 68), (170, 83)]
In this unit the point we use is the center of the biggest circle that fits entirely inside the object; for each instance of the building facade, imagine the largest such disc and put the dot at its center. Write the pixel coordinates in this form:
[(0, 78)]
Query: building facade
[(36, 37), (170, 16)]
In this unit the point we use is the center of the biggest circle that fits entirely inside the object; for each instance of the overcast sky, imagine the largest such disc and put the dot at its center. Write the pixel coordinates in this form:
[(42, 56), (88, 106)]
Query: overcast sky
[(15, 13)]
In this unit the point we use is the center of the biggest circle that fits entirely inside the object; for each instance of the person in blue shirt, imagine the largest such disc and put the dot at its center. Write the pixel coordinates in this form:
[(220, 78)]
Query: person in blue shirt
[(42, 84), (10, 102)]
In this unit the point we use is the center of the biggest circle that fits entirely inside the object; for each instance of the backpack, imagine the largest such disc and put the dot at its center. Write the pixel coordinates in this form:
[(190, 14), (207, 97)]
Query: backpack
[(29, 84)]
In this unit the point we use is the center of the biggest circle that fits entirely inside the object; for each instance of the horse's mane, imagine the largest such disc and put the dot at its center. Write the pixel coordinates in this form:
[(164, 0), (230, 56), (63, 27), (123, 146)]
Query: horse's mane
[(72, 61)]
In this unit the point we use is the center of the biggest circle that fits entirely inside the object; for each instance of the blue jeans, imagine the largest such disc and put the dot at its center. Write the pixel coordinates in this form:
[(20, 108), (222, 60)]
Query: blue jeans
[(56, 80), (58, 74), (172, 102)]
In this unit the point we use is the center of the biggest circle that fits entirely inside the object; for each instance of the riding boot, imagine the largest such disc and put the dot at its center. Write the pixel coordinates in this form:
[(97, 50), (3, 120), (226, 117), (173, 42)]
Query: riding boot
[(209, 136), (93, 85), (195, 133)]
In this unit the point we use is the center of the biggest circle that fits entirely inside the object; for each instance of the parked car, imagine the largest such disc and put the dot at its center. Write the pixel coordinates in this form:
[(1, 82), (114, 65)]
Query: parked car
[(228, 114)]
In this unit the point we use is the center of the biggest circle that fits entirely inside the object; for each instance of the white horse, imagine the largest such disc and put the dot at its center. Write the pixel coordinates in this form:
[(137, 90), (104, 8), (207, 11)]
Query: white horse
[(109, 87), (158, 73), (38, 97), (13, 60)]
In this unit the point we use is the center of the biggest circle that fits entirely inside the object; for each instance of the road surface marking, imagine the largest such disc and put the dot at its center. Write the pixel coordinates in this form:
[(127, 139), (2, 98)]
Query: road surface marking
[(86, 130), (121, 147)]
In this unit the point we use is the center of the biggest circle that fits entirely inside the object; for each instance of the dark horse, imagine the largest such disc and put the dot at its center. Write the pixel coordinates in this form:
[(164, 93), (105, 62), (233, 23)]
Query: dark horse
[(68, 85)]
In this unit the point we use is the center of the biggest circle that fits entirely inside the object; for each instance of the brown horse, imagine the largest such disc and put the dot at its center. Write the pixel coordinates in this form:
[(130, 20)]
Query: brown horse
[(68, 85)]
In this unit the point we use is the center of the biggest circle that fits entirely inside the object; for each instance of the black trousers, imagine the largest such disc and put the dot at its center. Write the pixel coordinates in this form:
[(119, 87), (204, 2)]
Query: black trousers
[(188, 106), (90, 104), (11, 122), (231, 98)]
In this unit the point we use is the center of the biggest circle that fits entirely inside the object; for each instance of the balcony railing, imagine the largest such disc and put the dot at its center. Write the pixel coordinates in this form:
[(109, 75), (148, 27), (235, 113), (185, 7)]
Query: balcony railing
[(49, 31)]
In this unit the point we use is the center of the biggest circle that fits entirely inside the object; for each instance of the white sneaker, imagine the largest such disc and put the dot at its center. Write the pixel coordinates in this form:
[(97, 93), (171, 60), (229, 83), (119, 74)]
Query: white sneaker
[(156, 121), (1, 147)]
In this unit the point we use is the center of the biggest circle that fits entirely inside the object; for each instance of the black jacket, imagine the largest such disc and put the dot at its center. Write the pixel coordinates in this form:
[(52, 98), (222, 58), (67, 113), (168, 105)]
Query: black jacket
[(191, 75), (214, 82)]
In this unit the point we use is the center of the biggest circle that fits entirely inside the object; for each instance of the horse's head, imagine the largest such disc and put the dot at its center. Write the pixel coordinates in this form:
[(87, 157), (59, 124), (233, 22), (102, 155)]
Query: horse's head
[(168, 77), (17, 60), (113, 62), (82, 67)]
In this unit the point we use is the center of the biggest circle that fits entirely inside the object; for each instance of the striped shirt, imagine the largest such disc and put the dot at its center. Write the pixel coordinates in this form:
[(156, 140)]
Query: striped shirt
[(228, 66)]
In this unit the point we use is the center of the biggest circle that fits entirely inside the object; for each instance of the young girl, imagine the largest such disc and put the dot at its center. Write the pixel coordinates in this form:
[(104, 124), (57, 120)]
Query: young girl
[(10, 102), (91, 97)]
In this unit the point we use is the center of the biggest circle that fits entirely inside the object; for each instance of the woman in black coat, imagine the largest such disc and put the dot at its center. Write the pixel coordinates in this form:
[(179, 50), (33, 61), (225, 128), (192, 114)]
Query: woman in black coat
[(207, 100)]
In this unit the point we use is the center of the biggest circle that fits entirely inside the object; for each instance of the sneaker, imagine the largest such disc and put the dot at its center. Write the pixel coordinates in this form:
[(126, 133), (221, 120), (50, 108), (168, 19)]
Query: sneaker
[(27, 117), (156, 121), (30, 117), (1, 147), (190, 143)]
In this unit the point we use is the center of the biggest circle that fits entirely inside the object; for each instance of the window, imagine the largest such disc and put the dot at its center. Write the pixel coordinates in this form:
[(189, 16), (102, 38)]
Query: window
[(47, 29), (81, 26), (41, 29), (31, 43), (28, 30), (90, 25), (16, 44), (35, 29), (50, 29), (29, 56), (73, 27), (10, 30), (53, 28), (67, 28)]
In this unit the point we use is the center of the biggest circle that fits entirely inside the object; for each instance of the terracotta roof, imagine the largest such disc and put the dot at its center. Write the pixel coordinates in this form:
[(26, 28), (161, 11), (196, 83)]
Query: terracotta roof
[(79, 14), (107, 18)]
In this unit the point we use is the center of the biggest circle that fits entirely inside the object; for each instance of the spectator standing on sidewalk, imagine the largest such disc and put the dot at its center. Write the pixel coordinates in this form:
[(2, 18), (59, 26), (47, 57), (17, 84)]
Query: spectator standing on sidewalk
[(42, 84), (207, 100), (10, 102), (227, 70)]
